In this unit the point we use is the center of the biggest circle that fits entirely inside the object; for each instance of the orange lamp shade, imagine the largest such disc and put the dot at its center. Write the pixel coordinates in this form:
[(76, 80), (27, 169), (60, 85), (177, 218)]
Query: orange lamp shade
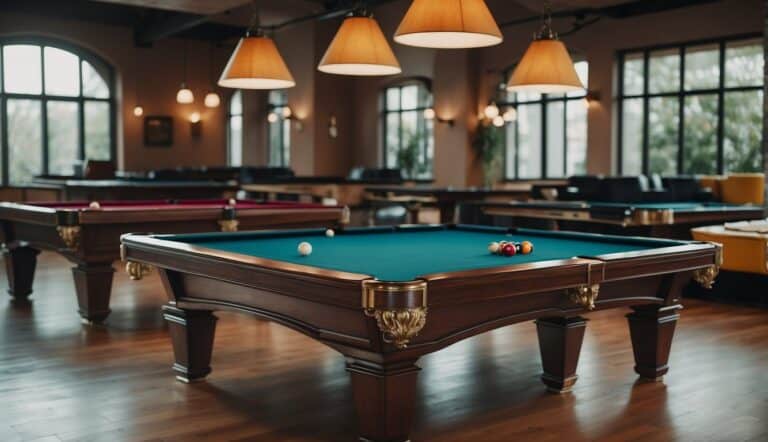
[(359, 48), (547, 68), (448, 24), (256, 64)]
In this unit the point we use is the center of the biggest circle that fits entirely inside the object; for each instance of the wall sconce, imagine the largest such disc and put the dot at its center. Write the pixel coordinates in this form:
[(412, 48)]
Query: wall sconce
[(431, 115), (138, 111), (591, 97), (333, 130), (195, 124), (287, 114)]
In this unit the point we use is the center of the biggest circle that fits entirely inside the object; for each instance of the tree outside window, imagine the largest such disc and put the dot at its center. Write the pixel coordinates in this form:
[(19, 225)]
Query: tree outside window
[(57, 107), (408, 137), (694, 108)]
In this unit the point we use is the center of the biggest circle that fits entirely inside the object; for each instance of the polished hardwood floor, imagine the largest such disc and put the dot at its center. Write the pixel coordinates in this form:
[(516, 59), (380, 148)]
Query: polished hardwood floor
[(60, 381)]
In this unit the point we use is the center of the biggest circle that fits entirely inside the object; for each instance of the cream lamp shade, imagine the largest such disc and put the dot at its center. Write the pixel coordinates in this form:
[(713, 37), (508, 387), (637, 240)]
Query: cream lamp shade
[(359, 48), (256, 64), (448, 24), (547, 68)]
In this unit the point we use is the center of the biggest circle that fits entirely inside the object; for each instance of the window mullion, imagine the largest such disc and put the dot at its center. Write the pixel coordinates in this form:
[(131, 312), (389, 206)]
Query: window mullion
[(646, 141), (543, 139), (681, 114), (43, 114), (721, 113), (81, 114)]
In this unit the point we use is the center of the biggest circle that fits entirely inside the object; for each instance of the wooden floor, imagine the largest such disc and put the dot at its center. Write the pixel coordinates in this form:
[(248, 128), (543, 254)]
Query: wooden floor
[(60, 381)]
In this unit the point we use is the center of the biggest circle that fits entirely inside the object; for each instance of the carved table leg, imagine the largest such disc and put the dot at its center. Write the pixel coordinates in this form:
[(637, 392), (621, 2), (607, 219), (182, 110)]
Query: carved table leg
[(384, 399), (192, 333), (652, 329), (93, 283), (560, 344), (20, 263)]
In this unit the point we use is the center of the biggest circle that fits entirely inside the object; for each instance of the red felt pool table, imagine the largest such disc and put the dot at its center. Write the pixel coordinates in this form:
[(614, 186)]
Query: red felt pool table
[(90, 236)]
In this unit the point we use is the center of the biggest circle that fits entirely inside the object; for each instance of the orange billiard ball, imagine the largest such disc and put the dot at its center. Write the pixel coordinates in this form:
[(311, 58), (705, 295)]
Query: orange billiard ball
[(526, 247)]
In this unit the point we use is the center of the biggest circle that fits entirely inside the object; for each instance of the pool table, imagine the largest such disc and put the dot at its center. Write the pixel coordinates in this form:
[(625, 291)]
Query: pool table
[(70, 189), (90, 237), (446, 199), (383, 297), (663, 220)]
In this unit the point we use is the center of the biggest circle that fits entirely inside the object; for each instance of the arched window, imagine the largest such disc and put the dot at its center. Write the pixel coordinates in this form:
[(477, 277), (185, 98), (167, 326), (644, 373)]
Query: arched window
[(235, 129), (408, 137), (57, 106), (548, 139), (279, 129)]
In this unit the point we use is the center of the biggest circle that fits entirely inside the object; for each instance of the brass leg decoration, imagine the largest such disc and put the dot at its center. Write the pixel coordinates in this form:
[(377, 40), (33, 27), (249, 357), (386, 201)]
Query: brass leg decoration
[(706, 277), (585, 295), (400, 309), (229, 225), (70, 235), (399, 326), (137, 270)]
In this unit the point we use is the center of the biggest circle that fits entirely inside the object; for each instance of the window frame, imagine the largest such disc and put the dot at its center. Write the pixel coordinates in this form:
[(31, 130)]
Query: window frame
[(544, 101), (285, 126), (681, 93), (44, 98), (384, 111), (229, 116)]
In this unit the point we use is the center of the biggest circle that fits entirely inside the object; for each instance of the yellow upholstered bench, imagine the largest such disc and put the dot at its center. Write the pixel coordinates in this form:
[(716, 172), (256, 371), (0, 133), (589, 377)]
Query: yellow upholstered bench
[(745, 244), (743, 188)]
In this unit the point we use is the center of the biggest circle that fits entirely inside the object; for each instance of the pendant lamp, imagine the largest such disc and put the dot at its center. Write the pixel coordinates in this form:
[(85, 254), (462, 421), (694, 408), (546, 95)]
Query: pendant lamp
[(448, 24), (546, 66), (359, 48)]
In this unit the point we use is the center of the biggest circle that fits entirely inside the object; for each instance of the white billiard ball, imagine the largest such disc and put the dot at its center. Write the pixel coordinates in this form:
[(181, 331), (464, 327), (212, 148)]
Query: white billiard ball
[(330, 233), (94, 205), (494, 247), (305, 249)]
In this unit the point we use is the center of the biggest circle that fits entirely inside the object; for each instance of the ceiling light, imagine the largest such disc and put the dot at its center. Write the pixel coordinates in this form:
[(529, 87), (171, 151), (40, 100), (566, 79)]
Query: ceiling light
[(184, 95), (546, 66), (194, 117), (212, 99), (256, 64), (272, 117), (448, 24), (429, 114), (359, 48), (499, 121), (491, 111), (510, 115), (138, 111)]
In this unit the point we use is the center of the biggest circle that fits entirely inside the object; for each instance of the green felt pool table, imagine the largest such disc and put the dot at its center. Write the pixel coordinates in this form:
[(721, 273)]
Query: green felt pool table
[(661, 220), (384, 297)]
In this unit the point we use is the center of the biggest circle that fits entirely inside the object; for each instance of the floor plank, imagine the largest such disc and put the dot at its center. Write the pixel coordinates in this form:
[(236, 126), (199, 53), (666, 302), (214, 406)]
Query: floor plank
[(61, 381)]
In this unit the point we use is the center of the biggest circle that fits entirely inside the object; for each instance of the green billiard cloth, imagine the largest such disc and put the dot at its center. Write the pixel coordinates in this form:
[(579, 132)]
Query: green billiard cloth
[(404, 254)]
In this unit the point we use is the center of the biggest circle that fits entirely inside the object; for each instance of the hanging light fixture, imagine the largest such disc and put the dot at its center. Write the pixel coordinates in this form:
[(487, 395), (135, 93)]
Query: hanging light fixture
[(546, 66), (256, 63), (448, 24), (359, 48), (138, 109), (185, 95), (212, 99)]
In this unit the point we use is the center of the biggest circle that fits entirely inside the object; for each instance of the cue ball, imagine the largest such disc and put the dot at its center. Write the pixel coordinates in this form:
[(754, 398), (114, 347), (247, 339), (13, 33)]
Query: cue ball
[(494, 247), (305, 249), (94, 205), (330, 233)]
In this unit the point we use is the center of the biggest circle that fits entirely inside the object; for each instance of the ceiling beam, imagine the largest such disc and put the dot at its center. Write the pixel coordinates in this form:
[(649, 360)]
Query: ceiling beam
[(171, 24)]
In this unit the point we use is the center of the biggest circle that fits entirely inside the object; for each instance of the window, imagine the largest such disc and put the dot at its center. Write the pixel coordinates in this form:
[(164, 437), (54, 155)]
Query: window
[(279, 129), (693, 108), (548, 139), (235, 129), (408, 137), (57, 107)]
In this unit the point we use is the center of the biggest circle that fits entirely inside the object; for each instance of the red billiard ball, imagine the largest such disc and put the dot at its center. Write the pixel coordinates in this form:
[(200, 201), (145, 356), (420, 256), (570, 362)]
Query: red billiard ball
[(508, 249)]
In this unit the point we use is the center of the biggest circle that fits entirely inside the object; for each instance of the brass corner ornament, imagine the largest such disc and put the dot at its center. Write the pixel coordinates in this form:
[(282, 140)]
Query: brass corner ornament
[(584, 295), (399, 326), (137, 270), (400, 309), (706, 276), (70, 235), (229, 225)]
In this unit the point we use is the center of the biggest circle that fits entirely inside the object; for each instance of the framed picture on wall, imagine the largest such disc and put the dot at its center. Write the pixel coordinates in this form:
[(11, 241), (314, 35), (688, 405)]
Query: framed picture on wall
[(158, 131)]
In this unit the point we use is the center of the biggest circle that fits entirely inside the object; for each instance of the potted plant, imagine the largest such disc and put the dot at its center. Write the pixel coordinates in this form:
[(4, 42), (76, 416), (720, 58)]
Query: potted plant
[(408, 156)]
